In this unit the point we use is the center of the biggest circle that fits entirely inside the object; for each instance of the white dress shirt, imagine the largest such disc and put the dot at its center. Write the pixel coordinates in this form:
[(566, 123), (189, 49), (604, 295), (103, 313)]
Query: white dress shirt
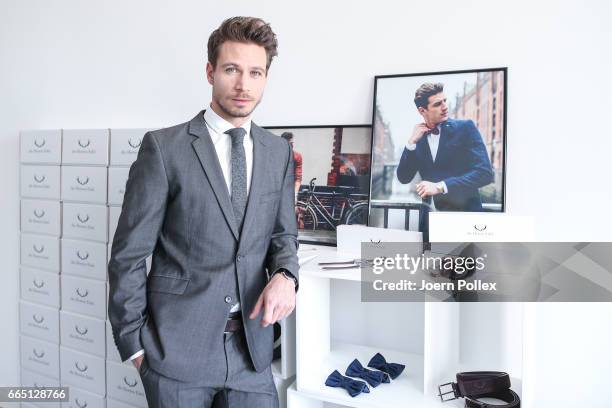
[(217, 126)]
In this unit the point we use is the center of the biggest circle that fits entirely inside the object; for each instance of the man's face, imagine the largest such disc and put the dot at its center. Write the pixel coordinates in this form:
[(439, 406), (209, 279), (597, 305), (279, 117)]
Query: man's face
[(437, 109), (238, 80)]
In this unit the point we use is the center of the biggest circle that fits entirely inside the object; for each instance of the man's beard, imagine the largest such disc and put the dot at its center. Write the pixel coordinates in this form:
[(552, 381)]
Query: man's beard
[(235, 113)]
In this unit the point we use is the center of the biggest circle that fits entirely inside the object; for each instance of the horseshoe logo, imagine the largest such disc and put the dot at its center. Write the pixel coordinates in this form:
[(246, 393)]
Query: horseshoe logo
[(39, 251), (78, 179), (82, 258), (79, 368), (80, 404), (42, 283), (81, 332), (41, 144), (39, 179), (83, 220), (37, 320), (135, 145), (78, 291), (130, 384), (480, 227), (84, 145), (42, 213), (37, 354)]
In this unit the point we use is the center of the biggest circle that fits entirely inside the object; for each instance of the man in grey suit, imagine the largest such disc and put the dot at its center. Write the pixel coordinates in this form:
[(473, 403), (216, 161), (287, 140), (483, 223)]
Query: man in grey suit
[(212, 199)]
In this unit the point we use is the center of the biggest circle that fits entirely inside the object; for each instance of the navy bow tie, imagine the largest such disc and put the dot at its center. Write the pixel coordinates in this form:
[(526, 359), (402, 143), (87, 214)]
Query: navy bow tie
[(353, 387), (374, 378), (378, 362)]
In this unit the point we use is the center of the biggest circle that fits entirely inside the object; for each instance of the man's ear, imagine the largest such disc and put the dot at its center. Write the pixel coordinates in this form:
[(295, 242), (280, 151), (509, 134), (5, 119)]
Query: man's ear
[(209, 73), (422, 110)]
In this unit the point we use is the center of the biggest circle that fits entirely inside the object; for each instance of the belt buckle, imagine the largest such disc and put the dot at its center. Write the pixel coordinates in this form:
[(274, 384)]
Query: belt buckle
[(442, 394)]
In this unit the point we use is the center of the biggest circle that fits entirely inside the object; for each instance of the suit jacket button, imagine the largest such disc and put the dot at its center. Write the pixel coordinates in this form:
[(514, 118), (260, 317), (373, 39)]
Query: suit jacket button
[(228, 299), (239, 258)]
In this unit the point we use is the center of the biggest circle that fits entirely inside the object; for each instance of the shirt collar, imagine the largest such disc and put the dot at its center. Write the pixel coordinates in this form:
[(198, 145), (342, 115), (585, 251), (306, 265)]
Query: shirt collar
[(220, 125)]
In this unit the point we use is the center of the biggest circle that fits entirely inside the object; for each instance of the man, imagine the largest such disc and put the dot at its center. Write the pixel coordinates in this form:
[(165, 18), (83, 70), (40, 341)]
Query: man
[(212, 200), (297, 162), (448, 154)]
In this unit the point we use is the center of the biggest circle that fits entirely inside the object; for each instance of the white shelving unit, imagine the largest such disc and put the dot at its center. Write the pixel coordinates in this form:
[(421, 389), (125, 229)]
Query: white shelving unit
[(434, 340)]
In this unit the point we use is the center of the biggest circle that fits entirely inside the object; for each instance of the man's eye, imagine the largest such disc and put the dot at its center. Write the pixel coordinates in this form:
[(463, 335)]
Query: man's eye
[(256, 74), (230, 70)]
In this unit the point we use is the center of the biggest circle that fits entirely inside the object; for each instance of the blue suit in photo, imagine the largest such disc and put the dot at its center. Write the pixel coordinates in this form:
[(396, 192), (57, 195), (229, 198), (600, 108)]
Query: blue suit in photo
[(461, 162)]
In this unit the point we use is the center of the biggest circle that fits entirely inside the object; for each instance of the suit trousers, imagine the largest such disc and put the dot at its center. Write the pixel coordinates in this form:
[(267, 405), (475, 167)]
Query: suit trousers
[(237, 385)]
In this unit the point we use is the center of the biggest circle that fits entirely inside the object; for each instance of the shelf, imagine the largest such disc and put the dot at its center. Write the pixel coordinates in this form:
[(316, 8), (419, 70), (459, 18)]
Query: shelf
[(327, 254)]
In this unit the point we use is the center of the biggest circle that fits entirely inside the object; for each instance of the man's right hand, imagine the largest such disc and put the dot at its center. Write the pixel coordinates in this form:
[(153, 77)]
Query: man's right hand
[(418, 132), (138, 361)]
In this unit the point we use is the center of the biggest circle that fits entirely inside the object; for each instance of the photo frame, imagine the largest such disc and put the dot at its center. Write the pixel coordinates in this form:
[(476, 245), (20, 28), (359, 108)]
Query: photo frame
[(332, 169)]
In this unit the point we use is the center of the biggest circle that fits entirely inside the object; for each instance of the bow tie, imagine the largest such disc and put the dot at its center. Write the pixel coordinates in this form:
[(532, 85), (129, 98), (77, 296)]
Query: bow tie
[(353, 387), (374, 378), (434, 131), (378, 362)]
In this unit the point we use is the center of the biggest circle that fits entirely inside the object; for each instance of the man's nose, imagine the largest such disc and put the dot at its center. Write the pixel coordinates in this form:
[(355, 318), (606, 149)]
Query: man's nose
[(242, 84)]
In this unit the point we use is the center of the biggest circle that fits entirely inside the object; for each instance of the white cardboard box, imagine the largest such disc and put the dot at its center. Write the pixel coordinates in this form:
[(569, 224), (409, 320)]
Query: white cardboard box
[(39, 321), (40, 181), (84, 184), (85, 221), (85, 146), (41, 146), (124, 384), (112, 354), (113, 403), (480, 227), (83, 333), (32, 379), (40, 287), (84, 258), (113, 220), (40, 251), (83, 370), (40, 356), (117, 179), (83, 399), (41, 217), (84, 296), (125, 144)]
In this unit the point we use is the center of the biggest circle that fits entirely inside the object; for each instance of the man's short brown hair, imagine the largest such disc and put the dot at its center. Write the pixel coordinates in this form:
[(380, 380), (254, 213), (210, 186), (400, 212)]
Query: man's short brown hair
[(244, 30), (421, 96)]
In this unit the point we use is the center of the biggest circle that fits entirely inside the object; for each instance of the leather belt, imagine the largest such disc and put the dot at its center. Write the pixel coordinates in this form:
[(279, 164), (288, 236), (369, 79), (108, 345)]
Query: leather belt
[(472, 385), (234, 322)]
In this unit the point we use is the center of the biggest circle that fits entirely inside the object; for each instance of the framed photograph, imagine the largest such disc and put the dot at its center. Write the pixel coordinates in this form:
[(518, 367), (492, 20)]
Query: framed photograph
[(332, 177), (438, 144)]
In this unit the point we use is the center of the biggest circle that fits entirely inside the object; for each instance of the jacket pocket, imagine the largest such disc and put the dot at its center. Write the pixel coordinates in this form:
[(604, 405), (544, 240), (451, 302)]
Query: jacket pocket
[(167, 284)]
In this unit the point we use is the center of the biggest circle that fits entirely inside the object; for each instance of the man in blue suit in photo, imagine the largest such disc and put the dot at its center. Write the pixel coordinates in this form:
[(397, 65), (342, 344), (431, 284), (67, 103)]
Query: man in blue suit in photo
[(449, 154)]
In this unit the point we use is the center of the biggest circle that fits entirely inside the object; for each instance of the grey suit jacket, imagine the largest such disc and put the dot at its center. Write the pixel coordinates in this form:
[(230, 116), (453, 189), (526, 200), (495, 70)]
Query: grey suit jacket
[(177, 207)]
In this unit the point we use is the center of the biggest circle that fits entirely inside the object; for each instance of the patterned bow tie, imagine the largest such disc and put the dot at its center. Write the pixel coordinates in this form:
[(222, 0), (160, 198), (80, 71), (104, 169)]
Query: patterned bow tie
[(374, 378), (434, 131), (378, 362), (353, 387)]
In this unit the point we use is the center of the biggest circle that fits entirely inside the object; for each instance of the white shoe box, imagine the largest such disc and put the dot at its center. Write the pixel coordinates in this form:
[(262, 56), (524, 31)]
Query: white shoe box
[(117, 179), (40, 356), (41, 217), (86, 334), (113, 220), (41, 146), (40, 251), (125, 144), (124, 384), (83, 370), (112, 403), (85, 221), (84, 184), (112, 354), (83, 399), (84, 296), (32, 379), (84, 258), (39, 321), (85, 146), (40, 287), (40, 181)]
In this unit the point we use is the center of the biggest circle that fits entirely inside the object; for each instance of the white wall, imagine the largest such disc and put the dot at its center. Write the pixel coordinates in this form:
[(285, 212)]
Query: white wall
[(71, 64)]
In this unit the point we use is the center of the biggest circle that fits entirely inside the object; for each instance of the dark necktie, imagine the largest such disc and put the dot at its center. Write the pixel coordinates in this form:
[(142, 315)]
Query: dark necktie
[(239, 175)]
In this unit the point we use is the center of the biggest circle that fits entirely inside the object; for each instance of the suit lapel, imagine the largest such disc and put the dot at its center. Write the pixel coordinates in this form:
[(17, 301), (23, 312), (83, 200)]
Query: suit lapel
[(446, 130), (258, 177), (206, 153)]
